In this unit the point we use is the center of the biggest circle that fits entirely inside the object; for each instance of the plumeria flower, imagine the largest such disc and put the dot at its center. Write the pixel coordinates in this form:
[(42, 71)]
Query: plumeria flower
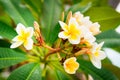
[(72, 31), (70, 65), (87, 35), (96, 55), (24, 37), (95, 28), (85, 21), (82, 21)]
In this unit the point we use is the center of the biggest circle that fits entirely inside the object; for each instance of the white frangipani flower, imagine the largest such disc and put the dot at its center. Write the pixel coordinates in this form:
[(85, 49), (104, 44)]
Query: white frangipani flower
[(95, 28), (72, 31), (86, 22), (87, 35), (96, 55), (24, 37), (82, 21)]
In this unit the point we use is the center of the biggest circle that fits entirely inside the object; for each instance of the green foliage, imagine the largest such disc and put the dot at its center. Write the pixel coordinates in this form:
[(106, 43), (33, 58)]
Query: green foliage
[(6, 31), (80, 7), (4, 43), (29, 71), (54, 34), (51, 12), (106, 16), (18, 12), (97, 74), (34, 5), (110, 37), (48, 13), (59, 71), (10, 57)]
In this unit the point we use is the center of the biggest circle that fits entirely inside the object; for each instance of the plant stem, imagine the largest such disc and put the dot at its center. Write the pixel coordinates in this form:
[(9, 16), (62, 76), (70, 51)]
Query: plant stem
[(80, 52), (52, 52), (48, 47)]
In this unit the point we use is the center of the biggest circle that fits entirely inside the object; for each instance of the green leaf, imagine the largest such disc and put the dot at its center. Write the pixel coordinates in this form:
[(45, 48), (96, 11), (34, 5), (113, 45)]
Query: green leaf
[(6, 31), (4, 43), (100, 3), (80, 7), (76, 1), (112, 68), (106, 16), (29, 71), (110, 37), (35, 5), (18, 12), (62, 76), (54, 34), (9, 57), (4, 17), (59, 71), (51, 13), (97, 74)]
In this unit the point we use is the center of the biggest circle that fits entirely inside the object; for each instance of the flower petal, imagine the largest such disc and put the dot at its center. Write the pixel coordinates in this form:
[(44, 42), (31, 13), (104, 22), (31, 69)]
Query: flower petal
[(70, 65), (15, 38), (63, 35), (28, 44), (20, 27), (16, 44), (78, 15), (102, 55), (95, 28), (86, 22), (101, 44), (63, 26), (74, 40), (95, 61), (90, 77), (73, 21), (30, 31)]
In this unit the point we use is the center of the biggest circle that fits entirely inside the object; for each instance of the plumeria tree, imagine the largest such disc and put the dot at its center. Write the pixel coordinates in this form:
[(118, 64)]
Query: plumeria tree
[(58, 39)]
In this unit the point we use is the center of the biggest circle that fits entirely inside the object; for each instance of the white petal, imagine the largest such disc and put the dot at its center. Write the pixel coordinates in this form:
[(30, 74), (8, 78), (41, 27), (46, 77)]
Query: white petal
[(20, 27), (16, 44), (87, 35), (90, 77), (95, 28), (86, 22), (96, 62), (73, 21), (63, 25), (30, 30), (15, 38), (74, 41), (101, 44), (62, 35), (28, 44), (113, 56), (90, 38), (102, 55), (78, 15), (94, 47)]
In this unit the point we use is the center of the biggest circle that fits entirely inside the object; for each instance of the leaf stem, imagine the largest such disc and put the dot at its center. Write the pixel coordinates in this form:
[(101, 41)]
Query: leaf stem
[(52, 52)]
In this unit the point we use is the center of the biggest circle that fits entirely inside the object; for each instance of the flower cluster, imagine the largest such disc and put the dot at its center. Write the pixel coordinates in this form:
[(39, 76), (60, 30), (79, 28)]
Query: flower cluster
[(78, 30)]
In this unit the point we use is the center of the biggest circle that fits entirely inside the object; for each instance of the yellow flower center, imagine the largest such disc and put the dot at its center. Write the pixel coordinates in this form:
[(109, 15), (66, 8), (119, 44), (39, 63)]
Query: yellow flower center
[(96, 54), (72, 31), (23, 36)]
